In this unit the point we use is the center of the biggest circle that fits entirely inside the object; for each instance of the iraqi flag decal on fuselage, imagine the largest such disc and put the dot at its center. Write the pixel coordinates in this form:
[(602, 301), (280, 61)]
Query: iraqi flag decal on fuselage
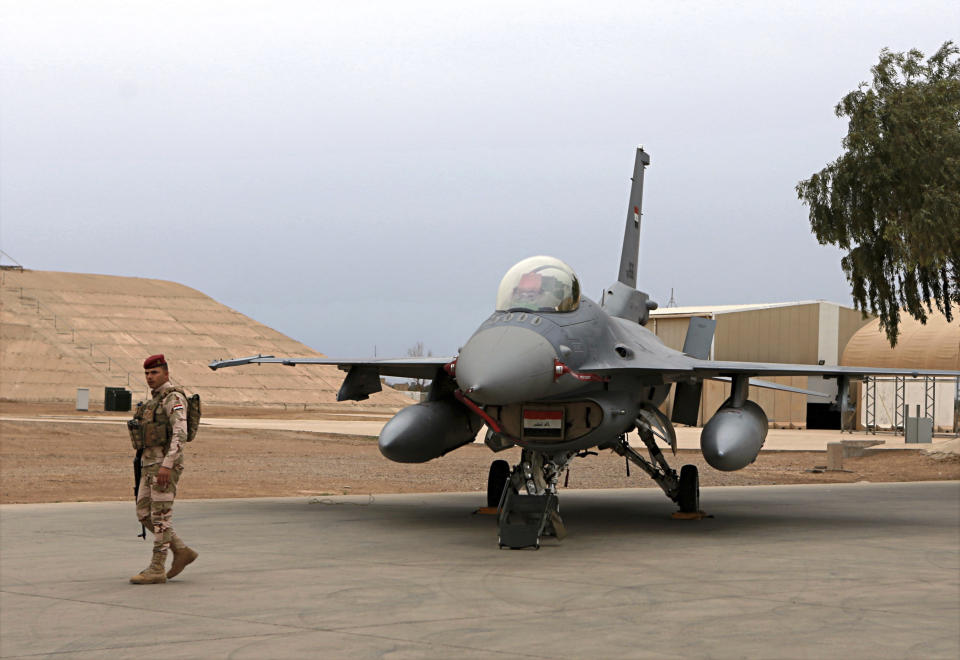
[(543, 423)]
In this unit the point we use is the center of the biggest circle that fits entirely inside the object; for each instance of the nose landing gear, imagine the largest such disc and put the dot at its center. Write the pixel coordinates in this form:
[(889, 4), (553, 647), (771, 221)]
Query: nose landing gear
[(526, 499)]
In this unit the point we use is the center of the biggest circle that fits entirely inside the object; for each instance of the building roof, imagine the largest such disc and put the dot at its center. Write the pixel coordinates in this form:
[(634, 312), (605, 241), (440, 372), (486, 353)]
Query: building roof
[(935, 345), (713, 310)]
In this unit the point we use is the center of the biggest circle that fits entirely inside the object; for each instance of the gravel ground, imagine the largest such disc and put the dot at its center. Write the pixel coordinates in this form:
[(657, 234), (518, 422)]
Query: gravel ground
[(52, 461)]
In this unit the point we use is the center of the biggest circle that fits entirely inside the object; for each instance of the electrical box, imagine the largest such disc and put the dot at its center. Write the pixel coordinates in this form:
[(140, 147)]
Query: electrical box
[(116, 398), (83, 398), (918, 430)]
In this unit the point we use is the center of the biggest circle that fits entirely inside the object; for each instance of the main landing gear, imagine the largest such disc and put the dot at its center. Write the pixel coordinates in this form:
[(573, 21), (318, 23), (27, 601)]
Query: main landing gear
[(526, 496), (683, 489), (688, 490)]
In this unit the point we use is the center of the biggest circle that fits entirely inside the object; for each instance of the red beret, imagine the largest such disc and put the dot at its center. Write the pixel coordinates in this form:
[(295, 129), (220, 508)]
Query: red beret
[(155, 361)]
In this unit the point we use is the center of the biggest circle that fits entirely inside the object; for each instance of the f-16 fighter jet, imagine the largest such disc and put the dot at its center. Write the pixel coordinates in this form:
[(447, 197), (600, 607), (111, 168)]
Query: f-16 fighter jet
[(556, 374)]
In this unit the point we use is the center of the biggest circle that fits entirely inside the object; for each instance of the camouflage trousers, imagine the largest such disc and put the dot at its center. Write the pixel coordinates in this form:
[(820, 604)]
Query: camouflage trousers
[(155, 505)]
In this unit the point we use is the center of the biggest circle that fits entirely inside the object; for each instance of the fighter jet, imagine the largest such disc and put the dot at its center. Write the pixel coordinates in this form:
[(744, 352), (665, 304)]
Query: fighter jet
[(558, 375)]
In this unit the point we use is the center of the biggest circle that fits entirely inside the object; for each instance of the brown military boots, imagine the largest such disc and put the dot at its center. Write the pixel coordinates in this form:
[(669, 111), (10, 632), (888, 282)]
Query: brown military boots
[(154, 573), (182, 556)]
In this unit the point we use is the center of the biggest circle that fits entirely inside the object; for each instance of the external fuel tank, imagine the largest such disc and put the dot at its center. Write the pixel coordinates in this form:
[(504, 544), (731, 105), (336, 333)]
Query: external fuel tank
[(732, 438)]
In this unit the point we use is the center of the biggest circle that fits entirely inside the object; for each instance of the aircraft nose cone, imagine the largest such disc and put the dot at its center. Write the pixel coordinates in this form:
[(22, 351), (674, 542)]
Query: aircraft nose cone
[(506, 364)]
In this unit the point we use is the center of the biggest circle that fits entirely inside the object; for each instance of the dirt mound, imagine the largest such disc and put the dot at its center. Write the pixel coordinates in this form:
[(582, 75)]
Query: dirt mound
[(63, 331), (946, 450)]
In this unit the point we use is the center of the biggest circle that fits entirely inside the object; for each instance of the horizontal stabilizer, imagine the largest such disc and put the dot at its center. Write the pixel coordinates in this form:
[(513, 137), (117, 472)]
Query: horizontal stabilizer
[(699, 337)]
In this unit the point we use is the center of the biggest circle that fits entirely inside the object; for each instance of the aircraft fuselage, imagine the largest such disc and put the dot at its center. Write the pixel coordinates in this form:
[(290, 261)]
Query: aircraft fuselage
[(526, 368)]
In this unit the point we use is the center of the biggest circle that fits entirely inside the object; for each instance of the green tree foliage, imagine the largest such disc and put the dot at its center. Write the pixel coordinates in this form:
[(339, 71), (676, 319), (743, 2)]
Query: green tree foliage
[(892, 200)]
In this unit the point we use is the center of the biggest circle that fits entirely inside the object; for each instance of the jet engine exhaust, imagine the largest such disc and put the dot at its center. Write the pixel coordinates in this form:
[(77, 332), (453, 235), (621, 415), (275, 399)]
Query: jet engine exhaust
[(428, 430), (733, 437)]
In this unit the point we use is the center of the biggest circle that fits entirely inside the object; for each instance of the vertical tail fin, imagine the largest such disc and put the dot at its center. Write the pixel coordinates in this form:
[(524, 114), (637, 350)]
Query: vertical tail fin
[(622, 299), (631, 235)]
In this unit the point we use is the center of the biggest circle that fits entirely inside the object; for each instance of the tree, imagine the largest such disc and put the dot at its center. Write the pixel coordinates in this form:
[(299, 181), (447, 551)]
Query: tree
[(418, 384), (892, 200)]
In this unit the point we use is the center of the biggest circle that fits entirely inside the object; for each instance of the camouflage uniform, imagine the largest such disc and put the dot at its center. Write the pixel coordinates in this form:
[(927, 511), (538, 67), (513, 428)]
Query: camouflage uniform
[(155, 504)]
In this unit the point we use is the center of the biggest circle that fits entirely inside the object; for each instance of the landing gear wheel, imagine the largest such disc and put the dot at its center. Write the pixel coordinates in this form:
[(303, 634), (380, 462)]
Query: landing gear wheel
[(688, 495), (497, 481)]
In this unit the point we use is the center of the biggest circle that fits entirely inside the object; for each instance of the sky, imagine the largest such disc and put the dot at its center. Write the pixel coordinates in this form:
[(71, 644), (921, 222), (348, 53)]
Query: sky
[(360, 177)]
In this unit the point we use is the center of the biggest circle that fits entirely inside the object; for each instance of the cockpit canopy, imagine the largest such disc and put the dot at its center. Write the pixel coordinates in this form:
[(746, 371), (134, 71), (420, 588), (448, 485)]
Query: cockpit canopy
[(539, 284)]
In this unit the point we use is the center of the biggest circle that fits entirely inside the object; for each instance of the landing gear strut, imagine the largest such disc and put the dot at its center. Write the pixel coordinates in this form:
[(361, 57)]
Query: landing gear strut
[(526, 496), (683, 489), (528, 507)]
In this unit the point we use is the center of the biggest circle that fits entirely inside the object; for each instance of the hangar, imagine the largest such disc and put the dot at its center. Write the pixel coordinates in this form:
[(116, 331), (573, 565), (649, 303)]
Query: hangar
[(933, 345), (820, 332)]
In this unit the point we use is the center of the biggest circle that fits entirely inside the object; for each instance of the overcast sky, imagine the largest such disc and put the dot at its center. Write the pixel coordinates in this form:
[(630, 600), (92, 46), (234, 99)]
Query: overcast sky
[(363, 175)]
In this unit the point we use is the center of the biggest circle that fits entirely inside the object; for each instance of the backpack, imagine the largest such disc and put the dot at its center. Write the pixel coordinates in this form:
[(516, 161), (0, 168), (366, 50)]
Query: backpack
[(193, 412)]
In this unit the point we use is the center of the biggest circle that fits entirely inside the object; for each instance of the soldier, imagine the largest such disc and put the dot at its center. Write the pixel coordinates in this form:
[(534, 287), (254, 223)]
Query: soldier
[(159, 431)]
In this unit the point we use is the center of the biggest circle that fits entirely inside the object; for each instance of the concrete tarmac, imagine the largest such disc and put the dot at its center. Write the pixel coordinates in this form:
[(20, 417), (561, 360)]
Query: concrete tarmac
[(833, 571)]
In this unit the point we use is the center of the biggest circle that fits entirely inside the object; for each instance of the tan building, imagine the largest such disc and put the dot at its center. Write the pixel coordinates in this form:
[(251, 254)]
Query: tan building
[(807, 332), (933, 345)]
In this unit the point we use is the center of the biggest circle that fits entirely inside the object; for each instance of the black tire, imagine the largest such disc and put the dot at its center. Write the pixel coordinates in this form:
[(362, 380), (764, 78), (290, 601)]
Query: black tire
[(688, 497), (497, 481)]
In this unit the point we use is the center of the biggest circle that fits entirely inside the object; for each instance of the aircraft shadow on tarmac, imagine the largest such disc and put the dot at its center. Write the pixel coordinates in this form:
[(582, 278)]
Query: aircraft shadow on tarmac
[(794, 511)]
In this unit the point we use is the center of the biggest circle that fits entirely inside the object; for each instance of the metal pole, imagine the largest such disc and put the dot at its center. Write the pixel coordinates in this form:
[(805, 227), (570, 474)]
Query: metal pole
[(870, 404), (900, 404)]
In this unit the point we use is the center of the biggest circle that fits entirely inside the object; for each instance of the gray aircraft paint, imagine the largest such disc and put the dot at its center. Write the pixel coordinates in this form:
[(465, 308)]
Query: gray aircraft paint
[(629, 257), (594, 358)]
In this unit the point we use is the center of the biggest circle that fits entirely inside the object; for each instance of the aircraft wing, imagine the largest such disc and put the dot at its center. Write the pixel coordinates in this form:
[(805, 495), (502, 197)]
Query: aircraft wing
[(688, 372), (756, 382), (409, 367), (686, 368), (712, 368)]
